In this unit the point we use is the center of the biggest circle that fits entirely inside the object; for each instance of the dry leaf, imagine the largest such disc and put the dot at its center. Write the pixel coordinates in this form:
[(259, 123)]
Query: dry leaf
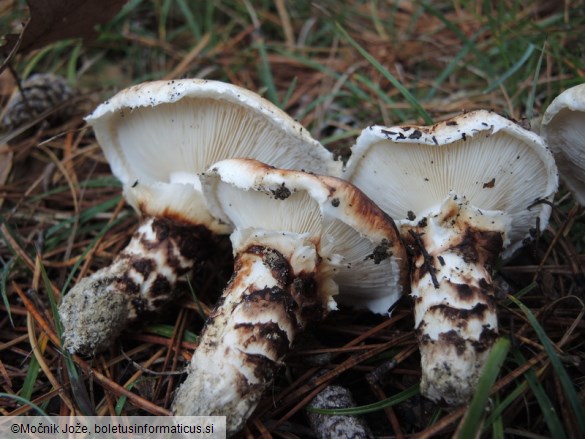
[(55, 20)]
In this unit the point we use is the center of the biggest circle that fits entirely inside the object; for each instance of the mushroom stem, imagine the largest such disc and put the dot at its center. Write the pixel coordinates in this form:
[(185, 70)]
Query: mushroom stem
[(142, 278), (455, 315), (273, 294)]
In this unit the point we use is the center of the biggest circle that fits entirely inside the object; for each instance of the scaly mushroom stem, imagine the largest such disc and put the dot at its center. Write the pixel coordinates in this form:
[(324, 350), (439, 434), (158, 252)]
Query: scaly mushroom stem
[(455, 315), (142, 278), (274, 293)]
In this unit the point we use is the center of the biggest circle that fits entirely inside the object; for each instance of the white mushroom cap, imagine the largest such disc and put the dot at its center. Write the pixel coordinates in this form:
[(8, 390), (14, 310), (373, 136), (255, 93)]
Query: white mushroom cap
[(168, 131), (563, 128), (358, 240), (493, 162)]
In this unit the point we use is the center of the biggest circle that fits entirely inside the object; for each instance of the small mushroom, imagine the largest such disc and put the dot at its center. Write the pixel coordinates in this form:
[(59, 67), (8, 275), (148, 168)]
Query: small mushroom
[(469, 189), (563, 128), (156, 137), (301, 243)]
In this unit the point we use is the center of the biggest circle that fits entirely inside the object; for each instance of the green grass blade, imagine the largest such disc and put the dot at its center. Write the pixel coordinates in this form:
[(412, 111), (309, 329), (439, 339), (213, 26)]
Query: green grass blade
[(126, 10), (472, 421), (375, 16), (107, 182), (30, 379), (381, 95), (163, 17), (549, 413), (167, 331), (3, 289), (532, 95), (289, 91), (25, 401), (380, 405), (310, 107), (525, 57), (355, 90), (123, 399), (568, 387), (505, 403), (528, 288), (52, 301), (209, 24), (486, 66), (389, 76), (73, 270), (38, 57), (191, 22), (498, 423), (453, 64), (8, 266), (72, 65), (77, 387), (196, 300), (436, 416), (351, 133), (85, 216), (266, 72)]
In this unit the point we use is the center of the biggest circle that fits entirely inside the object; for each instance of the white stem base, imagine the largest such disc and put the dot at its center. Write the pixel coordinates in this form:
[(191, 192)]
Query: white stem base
[(142, 278)]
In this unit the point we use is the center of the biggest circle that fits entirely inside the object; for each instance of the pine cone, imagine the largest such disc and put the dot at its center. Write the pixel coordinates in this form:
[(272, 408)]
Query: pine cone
[(43, 91)]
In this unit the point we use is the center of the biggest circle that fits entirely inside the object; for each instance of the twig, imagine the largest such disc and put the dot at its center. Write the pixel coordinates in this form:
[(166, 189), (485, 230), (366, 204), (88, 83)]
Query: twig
[(150, 371), (95, 374), (428, 259)]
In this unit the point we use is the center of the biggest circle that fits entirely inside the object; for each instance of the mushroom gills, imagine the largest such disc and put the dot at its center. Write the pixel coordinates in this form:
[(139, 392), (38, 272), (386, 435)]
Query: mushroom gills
[(563, 128), (455, 315)]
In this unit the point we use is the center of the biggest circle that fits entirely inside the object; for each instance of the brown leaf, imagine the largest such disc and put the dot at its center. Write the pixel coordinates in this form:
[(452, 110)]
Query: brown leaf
[(55, 20)]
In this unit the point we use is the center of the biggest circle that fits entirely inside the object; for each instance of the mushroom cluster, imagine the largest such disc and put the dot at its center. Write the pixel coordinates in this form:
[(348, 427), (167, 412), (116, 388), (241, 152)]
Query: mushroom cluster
[(199, 158), (157, 137), (467, 190)]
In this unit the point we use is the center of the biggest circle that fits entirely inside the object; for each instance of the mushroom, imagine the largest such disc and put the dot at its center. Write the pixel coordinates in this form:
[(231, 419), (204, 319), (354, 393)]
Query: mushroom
[(156, 137), (299, 239), (563, 128), (472, 188)]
